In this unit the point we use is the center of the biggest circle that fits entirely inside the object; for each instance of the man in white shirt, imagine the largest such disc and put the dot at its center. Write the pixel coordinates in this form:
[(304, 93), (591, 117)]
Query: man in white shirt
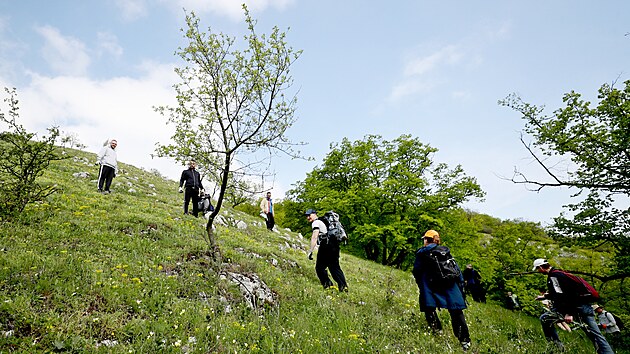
[(327, 255)]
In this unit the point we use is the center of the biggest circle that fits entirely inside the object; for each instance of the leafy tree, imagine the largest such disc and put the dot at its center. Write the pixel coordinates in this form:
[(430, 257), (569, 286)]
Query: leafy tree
[(231, 105), (387, 193), (593, 143), (23, 158)]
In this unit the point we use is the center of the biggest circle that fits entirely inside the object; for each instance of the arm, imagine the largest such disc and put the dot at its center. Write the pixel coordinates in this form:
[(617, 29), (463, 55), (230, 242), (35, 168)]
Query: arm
[(182, 179), (100, 156), (611, 321), (313, 241)]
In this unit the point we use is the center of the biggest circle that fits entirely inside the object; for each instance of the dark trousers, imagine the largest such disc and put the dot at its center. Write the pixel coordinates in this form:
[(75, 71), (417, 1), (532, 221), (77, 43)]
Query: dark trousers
[(105, 176), (328, 257), (191, 193), (270, 221), (458, 322)]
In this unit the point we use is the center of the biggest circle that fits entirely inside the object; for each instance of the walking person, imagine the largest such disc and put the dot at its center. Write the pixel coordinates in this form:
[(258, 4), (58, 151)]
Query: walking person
[(448, 295), (609, 324), (108, 161), (266, 208), (327, 254), (472, 283), (512, 301), (567, 306), (190, 185)]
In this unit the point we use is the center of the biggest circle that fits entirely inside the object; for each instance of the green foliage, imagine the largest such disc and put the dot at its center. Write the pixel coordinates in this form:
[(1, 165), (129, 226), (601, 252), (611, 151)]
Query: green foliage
[(126, 272), (595, 141), (231, 105), (387, 193), (23, 159)]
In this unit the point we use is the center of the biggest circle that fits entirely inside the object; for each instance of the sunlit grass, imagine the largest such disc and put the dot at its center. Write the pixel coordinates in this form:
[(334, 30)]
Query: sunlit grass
[(127, 272)]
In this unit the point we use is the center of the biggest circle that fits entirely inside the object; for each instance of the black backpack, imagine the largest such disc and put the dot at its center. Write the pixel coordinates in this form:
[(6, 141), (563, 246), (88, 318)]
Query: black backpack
[(204, 205), (618, 321), (441, 268), (335, 229)]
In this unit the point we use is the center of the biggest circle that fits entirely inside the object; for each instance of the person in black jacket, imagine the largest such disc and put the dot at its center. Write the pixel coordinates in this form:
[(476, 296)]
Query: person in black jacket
[(567, 307), (190, 185), (472, 284)]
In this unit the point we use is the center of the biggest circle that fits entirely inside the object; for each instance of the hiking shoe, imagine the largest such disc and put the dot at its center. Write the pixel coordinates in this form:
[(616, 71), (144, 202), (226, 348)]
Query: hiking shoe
[(465, 345)]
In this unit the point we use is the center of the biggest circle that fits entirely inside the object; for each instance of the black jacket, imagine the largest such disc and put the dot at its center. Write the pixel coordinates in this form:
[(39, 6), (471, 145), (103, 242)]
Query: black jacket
[(192, 179)]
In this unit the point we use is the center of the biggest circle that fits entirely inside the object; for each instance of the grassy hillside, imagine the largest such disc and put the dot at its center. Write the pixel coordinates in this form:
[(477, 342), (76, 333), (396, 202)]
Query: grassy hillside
[(128, 273)]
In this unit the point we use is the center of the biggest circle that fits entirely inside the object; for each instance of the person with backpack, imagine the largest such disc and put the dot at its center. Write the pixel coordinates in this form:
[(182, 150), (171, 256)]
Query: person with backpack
[(441, 286), (571, 298), (607, 320), (327, 254), (190, 185)]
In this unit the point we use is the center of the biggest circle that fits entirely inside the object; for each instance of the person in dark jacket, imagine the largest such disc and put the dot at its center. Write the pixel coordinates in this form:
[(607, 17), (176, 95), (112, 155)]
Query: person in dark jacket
[(190, 185), (472, 284), (567, 306), (450, 297)]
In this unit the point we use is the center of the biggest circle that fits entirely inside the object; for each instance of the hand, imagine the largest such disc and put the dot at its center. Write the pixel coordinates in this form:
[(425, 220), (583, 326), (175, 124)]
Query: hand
[(541, 297), (604, 325), (310, 256), (568, 318), (181, 190)]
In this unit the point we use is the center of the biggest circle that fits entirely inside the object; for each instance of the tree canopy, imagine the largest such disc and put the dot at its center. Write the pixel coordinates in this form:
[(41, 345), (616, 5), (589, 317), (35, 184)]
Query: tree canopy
[(593, 146), (387, 192)]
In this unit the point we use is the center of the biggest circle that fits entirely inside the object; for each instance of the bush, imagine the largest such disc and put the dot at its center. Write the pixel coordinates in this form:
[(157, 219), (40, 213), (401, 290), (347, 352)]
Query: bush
[(23, 159)]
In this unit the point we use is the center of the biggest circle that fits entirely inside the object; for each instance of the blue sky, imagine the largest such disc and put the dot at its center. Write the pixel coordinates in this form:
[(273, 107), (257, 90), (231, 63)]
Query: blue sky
[(434, 70)]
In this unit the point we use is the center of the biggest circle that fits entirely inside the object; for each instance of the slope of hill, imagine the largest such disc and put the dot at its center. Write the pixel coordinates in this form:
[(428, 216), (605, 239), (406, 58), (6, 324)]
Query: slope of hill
[(127, 272)]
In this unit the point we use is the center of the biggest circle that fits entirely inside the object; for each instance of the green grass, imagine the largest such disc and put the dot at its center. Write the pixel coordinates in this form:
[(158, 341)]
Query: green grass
[(126, 272)]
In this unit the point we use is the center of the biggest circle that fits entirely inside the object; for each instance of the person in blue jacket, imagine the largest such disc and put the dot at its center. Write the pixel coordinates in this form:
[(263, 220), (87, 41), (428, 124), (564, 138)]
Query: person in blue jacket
[(431, 298)]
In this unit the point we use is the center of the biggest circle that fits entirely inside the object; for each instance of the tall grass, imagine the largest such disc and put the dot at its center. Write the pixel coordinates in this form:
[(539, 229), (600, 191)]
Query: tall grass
[(127, 272)]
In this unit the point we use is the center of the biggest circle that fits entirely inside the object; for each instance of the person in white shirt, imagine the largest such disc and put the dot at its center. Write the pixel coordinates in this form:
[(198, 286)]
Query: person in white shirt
[(108, 161)]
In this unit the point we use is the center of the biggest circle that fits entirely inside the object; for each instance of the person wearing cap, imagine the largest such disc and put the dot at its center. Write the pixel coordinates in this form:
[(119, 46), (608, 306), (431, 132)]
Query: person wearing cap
[(108, 161), (566, 305), (327, 254), (430, 298), (190, 185), (610, 326), (606, 320)]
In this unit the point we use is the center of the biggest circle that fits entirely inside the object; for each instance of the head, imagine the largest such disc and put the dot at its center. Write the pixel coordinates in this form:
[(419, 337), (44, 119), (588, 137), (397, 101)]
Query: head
[(311, 215), (468, 266), (509, 293), (541, 265), (192, 164), (113, 143), (431, 236), (598, 308), (268, 195)]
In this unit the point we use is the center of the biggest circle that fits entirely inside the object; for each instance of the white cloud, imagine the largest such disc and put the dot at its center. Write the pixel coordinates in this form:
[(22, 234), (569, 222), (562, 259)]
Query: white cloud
[(118, 108), (230, 8), (108, 43), (418, 73), (132, 9), (65, 55), (420, 66)]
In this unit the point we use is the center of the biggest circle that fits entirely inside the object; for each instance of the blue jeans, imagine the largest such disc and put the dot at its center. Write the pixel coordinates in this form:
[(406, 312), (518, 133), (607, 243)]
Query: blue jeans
[(583, 314)]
